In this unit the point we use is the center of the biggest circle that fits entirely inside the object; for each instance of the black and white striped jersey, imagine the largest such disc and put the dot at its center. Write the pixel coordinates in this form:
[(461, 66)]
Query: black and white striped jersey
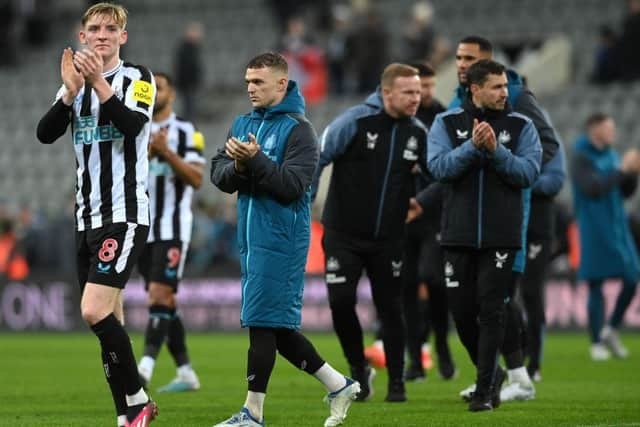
[(112, 167), (169, 196)]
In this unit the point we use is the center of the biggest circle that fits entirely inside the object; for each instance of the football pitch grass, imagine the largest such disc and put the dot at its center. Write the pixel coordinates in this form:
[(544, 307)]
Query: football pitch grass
[(57, 380)]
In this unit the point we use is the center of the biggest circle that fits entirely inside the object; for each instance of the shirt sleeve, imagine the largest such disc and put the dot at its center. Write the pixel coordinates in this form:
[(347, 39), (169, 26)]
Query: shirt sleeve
[(334, 141), (289, 180), (445, 162), (141, 94), (589, 181), (528, 106), (195, 147), (522, 167)]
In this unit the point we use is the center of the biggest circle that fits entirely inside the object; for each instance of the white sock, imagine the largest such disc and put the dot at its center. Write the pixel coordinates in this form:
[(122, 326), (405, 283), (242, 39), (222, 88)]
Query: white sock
[(254, 403), (145, 367), (122, 419), (137, 399), (184, 369), (332, 379), (519, 375)]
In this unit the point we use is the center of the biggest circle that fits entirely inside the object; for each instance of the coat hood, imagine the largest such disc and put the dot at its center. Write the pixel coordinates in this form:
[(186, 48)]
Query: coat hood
[(293, 102)]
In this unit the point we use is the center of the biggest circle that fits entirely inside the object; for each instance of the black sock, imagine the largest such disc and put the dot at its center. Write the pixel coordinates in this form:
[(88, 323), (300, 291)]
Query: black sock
[(176, 340), (157, 329), (114, 379), (117, 347), (298, 350), (261, 358)]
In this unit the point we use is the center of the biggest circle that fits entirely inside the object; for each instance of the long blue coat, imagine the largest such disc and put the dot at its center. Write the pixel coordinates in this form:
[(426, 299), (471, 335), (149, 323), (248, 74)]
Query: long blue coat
[(607, 249), (273, 209)]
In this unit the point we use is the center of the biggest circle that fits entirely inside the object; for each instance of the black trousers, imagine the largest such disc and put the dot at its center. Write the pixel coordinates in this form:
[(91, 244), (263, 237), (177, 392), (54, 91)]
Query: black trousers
[(345, 259), (532, 293), (477, 283), (423, 263)]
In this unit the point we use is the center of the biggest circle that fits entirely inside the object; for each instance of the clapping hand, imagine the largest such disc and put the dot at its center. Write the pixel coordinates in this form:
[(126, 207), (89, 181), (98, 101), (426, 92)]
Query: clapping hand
[(71, 77)]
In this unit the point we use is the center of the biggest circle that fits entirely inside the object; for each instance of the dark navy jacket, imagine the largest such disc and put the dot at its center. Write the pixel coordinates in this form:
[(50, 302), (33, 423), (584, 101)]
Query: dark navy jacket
[(483, 205), (524, 102), (371, 183), (273, 209)]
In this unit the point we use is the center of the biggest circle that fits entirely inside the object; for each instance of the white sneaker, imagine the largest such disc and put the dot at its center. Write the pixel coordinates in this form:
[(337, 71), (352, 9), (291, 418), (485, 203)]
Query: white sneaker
[(339, 402), (599, 352), (185, 381), (241, 419), (517, 391), (467, 393), (611, 339), (537, 376)]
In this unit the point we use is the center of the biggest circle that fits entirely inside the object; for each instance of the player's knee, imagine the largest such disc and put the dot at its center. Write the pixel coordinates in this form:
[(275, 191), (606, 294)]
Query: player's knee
[(160, 294), (92, 314)]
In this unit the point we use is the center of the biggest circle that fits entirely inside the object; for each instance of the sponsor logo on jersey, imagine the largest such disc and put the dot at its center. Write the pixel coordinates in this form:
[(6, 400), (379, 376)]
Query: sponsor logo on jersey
[(462, 134), (372, 139), (501, 259), (396, 268), (103, 268), (87, 132), (534, 250), (198, 140), (143, 92), (333, 278), (157, 168)]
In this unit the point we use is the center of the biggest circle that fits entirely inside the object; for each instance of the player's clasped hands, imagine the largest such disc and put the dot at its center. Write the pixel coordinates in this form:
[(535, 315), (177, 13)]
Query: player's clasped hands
[(158, 144), (242, 151), (89, 63), (483, 136)]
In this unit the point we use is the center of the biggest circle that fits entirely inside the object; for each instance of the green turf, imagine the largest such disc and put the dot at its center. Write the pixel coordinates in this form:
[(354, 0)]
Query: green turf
[(57, 380)]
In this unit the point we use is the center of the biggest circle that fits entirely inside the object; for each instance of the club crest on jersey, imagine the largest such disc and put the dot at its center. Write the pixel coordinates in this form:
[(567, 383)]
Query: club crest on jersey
[(412, 143), (333, 264), (448, 269), (504, 137), (270, 143), (170, 272), (501, 259), (409, 151), (372, 139)]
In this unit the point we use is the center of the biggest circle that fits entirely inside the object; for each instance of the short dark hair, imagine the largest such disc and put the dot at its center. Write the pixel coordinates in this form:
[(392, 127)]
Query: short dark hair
[(395, 70), (424, 70), (165, 76), (479, 72), (271, 60), (484, 44), (596, 119)]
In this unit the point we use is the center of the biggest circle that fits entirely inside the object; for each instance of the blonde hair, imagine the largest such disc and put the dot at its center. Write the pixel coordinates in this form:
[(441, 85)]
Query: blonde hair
[(395, 70), (115, 11)]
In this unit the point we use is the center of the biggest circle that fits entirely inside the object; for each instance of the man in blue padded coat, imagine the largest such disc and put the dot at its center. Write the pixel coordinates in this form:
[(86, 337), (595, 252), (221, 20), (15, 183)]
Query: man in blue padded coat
[(269, 159)]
